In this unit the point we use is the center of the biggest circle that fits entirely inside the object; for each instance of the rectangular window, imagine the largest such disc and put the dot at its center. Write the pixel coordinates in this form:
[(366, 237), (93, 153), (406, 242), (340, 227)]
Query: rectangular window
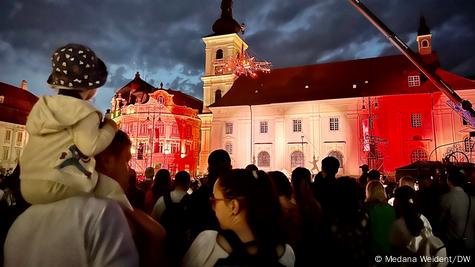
[(175, 147), (175, 130), (17, 154), (264, 127), (229, 148), (5, 152), (413, 81), (2, 98), (297, 126), (19, 138), (229, 128), (8, 136), (416, 120), (334, 124)]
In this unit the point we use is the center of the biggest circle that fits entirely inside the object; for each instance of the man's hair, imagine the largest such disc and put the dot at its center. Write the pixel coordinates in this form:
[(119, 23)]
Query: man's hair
[(182, 178), (330, 165), (119, 143)]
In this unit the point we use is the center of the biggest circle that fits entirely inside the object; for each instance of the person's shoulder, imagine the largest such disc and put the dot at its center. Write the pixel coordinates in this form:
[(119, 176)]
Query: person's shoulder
[(288, 256)]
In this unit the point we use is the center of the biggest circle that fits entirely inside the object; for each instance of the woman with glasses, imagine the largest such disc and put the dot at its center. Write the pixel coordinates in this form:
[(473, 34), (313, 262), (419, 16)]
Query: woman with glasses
[(249, 215)]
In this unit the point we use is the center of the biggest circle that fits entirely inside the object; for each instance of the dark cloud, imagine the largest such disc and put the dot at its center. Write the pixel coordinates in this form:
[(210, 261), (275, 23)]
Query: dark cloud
[(162, 39)]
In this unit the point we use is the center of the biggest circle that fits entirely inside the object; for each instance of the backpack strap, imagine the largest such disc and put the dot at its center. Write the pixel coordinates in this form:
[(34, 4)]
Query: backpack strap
[(234, 241), (468, 215), (167, 197)]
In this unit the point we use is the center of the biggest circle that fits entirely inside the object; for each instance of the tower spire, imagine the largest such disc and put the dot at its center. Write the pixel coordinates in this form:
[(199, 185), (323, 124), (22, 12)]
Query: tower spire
[(226, 23)]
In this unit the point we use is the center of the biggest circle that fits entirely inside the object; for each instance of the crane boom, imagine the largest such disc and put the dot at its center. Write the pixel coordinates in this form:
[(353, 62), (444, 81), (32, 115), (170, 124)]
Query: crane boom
[(461, 106)]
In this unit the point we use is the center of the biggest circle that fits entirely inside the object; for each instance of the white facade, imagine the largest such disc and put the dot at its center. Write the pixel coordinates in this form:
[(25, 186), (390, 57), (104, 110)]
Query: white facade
[(13, 138)]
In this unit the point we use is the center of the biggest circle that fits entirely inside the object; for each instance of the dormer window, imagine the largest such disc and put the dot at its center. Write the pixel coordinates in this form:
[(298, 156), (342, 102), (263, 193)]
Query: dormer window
[(217, 95), (161, 100), (414, 81), (219, 54)]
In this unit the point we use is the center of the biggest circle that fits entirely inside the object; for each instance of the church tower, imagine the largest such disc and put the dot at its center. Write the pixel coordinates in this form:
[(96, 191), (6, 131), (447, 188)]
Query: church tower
[(223, 45), (424, 38)]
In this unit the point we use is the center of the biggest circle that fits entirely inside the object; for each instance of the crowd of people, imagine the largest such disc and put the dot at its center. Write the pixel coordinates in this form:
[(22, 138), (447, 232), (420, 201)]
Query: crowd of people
[(74, 201)]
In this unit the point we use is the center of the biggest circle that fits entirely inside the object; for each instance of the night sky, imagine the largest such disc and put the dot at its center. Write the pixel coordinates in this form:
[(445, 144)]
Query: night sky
[(162, 39)]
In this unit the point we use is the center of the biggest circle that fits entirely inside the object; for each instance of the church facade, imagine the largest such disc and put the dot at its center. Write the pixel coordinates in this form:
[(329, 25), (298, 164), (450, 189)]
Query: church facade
[(377, 111)]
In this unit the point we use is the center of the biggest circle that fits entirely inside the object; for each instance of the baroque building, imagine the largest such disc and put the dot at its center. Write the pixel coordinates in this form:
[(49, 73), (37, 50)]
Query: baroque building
[(15, 105), (378, 111), (163, 125)]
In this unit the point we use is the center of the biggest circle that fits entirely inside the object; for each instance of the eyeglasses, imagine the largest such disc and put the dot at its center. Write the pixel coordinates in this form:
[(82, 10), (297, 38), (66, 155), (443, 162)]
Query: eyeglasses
[(213, 200)]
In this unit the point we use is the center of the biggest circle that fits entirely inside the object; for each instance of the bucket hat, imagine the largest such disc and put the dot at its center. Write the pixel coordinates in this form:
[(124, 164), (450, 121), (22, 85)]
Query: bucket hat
[(76, 66)]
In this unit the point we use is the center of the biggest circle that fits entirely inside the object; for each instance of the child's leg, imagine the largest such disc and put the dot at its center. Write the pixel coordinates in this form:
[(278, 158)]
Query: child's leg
[(44, 191)]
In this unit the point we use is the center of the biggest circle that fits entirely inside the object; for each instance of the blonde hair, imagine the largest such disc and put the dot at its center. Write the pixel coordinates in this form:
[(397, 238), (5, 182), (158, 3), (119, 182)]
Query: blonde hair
[(375, 192), (407, 180)]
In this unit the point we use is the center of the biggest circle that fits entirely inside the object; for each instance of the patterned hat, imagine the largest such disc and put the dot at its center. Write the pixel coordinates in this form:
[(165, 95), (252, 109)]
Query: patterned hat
[(76, 67)]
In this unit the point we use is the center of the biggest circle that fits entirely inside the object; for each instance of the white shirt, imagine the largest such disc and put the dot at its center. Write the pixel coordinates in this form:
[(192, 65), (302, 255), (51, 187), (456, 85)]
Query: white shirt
[(75, 232), (176, 196), (205, 252)]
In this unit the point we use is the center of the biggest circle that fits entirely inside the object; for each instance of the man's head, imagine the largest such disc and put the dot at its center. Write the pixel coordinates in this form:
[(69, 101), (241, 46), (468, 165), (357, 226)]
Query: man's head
[(182, 180), (364, 168), (374, 175), (330, 166), (114, 160)]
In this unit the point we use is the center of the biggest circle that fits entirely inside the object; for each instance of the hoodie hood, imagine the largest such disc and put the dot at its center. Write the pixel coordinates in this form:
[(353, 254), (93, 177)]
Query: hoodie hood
[(55, 113)]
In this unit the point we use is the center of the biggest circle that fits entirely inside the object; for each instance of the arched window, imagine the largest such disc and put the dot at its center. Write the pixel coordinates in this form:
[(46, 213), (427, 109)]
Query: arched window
[(263, 159), (219, 54), (418, 154), (338, 155), (296, 159), (217, 95), (468, 144), (161, 100), (425, 43)]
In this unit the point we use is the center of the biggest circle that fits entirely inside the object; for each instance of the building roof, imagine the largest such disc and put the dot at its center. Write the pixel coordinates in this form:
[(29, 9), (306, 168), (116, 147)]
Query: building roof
[(355, 78), (134, 91), (17, 104), (423, 28), (226, 24)]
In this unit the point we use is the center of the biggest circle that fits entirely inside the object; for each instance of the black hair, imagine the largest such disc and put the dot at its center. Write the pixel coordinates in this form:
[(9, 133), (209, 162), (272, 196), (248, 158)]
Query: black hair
[(456, 176), (301, 179), (218, 162), (182, 178), (282, 183), (406, 207), (120, 142), (161, 183), (256, 194), (330, 165)]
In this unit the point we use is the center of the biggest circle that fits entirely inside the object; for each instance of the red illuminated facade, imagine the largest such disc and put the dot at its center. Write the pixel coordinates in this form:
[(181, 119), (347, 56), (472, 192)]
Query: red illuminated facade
[(378, 111), (163, 125)]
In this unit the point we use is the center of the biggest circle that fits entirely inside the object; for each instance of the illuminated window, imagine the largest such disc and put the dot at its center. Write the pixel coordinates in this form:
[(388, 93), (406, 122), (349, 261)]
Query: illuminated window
[(2, 98), (416, 120), (264, 127), (6, 150), (468, 144), (175, 147), (263, 159), (297, 126), (296, 159), (413, 81), (418, 155), (219, 54), (19, 138), (229, 148), (160, 147), (334, 124), (229, 128), (188, 131), (175, 131), (8, 136), (140, 151)]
